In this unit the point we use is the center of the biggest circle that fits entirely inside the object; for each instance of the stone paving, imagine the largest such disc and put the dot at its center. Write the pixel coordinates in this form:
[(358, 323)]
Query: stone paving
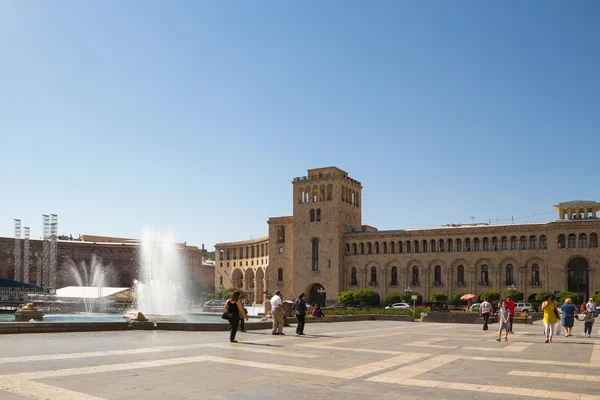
[(345, 360)]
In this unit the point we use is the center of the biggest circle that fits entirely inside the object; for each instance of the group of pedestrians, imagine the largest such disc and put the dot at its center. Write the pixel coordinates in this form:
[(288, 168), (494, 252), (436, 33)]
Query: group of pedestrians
[(237, 313)]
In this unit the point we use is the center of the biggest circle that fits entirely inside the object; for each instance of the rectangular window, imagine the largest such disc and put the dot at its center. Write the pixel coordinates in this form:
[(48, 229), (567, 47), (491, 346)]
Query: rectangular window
[(280, 249)]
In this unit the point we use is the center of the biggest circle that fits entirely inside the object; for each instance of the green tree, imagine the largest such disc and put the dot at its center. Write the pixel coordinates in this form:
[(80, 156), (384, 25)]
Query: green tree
[(491, 295), (541, 296), (226, 293), (367, 297), (438, 296), (347, 298), (562, 296), (455, 297), (515, 295), (596, 298), (393, 297)]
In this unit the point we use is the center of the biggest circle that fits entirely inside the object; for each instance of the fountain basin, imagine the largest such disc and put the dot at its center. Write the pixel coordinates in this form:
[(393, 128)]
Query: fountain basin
[(27, 313)]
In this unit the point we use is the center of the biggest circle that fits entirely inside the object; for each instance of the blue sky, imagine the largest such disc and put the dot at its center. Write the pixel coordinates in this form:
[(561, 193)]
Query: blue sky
[(195, 116)]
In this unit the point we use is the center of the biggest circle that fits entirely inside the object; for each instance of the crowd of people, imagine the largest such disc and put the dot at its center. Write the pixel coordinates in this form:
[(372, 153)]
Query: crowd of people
[(236, 314), (552, 316)]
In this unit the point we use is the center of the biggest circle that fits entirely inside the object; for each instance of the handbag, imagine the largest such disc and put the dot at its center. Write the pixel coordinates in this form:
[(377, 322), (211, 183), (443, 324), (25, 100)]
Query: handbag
[(225, 315), (556, 313)]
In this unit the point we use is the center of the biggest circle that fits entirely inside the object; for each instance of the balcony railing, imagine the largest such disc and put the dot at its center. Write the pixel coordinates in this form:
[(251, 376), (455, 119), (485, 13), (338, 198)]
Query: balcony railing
[(415, 283), (459, 283), (535, 283), (508, 283), (484, 283), (434, 283)]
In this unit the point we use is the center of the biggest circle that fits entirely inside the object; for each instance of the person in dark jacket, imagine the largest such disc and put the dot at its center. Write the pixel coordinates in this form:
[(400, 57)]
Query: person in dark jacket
[(300, 311), (236, 311)]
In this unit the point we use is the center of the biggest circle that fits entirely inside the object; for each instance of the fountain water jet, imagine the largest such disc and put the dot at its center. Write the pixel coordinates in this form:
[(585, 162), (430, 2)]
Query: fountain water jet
[(93, 275), (159, 291)]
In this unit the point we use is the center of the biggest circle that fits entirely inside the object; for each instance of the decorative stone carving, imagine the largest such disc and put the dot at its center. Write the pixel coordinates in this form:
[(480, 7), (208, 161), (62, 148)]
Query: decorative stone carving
[(27, 313)]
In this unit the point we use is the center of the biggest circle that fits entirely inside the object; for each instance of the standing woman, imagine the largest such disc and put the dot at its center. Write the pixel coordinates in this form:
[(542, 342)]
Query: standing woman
[(236, 311), (300, 311), (568, 316), (550, 317)]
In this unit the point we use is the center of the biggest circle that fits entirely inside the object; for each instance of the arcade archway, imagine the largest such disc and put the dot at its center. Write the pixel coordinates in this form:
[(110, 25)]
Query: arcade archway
[(578, 278), (317, 294)]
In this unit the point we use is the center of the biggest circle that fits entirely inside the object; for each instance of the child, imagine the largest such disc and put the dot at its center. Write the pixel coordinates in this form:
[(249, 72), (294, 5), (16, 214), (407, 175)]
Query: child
[(503, 318), (588, 321)]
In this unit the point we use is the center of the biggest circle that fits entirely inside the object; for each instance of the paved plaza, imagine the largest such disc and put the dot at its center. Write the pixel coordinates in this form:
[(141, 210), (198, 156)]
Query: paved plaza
[(346, 360)]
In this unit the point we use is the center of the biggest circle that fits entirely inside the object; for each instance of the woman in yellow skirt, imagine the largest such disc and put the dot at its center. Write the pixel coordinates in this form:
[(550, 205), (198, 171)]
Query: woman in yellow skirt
[(550, 317)]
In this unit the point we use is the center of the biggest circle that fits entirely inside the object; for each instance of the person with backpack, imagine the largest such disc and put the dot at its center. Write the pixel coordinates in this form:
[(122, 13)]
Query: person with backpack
[(300, 311)]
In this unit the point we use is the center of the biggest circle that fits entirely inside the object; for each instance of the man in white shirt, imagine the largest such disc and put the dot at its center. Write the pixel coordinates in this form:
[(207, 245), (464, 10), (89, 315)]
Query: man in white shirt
[(277, 312), (485, 309), (591, 307)]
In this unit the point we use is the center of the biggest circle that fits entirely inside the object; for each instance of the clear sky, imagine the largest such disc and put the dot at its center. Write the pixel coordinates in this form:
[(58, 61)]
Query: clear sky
[(196, 115)]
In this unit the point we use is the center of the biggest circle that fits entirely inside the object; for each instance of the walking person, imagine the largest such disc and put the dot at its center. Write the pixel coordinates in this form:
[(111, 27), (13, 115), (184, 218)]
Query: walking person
[(485, 309), (550, 317), (503, 321), (591, 307), (568, 316), (588, 321), (242, 298), (300, 311), (510, 306), (277, 312), (236, 311)]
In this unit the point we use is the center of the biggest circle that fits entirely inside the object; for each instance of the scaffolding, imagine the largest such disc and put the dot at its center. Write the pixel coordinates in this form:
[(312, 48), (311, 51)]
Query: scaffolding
[(26, 255), (53, 249), (44, 272), (17, 258)]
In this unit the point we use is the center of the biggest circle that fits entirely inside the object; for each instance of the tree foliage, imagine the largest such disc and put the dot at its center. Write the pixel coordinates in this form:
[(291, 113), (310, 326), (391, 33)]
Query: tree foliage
[(541, 296), (455, 297), (562, 296), (515, 295), (347, 298), (491, 295), (367, 297), (393, 297), (438, 296)]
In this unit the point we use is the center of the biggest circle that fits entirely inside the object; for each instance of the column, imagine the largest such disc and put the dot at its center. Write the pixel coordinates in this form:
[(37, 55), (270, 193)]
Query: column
[(448, 281), (256, 290)]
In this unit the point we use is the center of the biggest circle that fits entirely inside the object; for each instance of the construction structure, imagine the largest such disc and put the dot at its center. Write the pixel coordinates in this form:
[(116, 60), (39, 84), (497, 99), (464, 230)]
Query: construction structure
[(53, 251), (17, 270), (26, 256), (44, 282)]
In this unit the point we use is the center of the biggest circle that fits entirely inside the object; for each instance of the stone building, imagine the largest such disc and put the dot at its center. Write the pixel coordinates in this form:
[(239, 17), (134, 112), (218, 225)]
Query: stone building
[(119, 253), (323, 249)]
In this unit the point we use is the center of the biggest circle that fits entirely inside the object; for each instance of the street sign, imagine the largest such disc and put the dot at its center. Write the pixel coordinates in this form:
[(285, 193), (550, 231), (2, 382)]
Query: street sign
[(414, 297)]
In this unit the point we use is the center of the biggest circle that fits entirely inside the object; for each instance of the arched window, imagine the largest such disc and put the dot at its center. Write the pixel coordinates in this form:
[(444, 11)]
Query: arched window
[(362, 248), (347, 249), (509, 275), (220, 281), (535, 275), (437, 275), (384, 248), (354, 279), (494, 243), (504, 243), (432, 246), (394, 281), (458, 245), (561, 241), (318, 214), (416, 248), (315, 195), (441, 245), (392, 248), (543, 242), (460, 275), (486, 244), (408, 246), (280, 274), (532, 242), (228, 254), (582, 240), (312, 215), (329, 192), (424, 246), (476, 244), (369, 248), (484, 275), (354, 249), (300, 196), (376, 247), (572, 241), (415, 276), (373, 276), (322, 193), (450, 245), (221, 255), (513, 243), (523, 241), (593, 240), (467, 244), (400, 247), (315, 254)]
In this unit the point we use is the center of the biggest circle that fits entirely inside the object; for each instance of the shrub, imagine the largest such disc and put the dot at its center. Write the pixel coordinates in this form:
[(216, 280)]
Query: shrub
[(491, 295), (378, 311), (563, 295), (455, 297), (596, 298), (367, 297), (438, 296), (515, 295), (226, 293), (347, 298), (541, 296), (393, 297)]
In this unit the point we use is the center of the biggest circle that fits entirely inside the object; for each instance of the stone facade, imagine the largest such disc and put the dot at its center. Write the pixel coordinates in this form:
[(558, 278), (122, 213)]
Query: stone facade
[(121, 254), (324, 249)]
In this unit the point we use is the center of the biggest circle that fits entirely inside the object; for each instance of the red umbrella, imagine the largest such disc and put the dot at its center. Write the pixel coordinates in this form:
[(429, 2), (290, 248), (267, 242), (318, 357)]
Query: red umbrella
[(468, 297)]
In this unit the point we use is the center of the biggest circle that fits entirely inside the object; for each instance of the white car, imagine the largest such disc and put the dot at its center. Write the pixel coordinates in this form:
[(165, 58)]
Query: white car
[(402, 306), (524, 308)]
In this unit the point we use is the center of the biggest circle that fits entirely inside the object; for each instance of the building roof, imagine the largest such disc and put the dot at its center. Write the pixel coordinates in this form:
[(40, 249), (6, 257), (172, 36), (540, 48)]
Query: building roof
[(577, 203), (88, 292), (4, 282)]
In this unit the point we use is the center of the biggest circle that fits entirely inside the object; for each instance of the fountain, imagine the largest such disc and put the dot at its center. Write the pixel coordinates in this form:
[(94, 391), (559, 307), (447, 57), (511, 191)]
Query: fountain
[(159, 291), (93, 276)]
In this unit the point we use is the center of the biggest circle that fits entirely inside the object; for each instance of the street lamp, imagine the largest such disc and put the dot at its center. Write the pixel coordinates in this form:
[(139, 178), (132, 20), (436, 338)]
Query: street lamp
[(512, 288), (322, 292), (414, 299)]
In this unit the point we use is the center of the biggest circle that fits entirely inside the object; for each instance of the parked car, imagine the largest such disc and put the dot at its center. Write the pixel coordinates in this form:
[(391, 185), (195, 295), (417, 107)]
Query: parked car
[(336, 306), (524, 308), (475, 307), (402, 306), (436, 306)]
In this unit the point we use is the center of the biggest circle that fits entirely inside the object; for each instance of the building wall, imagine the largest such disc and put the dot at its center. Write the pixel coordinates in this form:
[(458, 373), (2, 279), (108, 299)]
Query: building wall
[(338, 198)]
